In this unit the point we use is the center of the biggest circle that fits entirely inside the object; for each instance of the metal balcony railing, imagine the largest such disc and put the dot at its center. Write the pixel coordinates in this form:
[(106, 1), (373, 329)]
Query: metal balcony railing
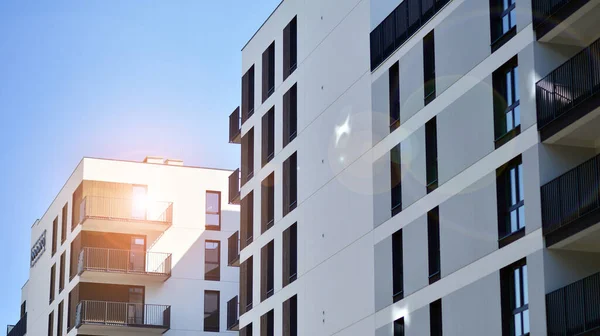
[(235, 126), (122, 314), (19, 329), (568, 85), (574, 309), (125, 209), (124, 261), (232, 314), (233, 246), (234, 187), (571, 195), (544, 10)]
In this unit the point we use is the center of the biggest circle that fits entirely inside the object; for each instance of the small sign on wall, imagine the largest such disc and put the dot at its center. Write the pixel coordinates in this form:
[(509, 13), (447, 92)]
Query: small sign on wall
[(38, 248)]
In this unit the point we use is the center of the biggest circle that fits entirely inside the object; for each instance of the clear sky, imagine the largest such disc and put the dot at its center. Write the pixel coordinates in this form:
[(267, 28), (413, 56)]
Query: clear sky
[(109, 78)]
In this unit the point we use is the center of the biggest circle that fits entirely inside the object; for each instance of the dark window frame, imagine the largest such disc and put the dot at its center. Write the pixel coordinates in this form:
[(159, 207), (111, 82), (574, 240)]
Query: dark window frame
[(429, 67), (506, 205), (396, 179), (247, 157), (499, 35), (290, 115), (59, 327), (267, 203), (248, 94), (431, 154), (218, 311), (268, 137), (207, 226), (267, 271), (505, 91), (290, 316), (61, 280), (52, 283), (290, 251), (399, 327), (54, 235), (268, 72), (510, 306), (290, 184), (63, 226), (397, 266), (267, 324), (290, 48), (207, 276), (435, 318), (51, 324), (433, 244), (246, 220), (394, 96)]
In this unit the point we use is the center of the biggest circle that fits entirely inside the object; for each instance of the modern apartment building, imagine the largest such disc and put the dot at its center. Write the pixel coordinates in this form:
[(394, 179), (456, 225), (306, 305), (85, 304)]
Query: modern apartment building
[(132, 248), (420, 167)]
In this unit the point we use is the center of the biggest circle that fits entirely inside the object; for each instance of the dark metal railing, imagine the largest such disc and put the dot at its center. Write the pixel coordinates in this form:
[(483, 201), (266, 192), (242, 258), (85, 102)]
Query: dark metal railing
[(124, 261), (574, 309), (235, 126), (544, 10), (18, 329), (126, 209), (233, 248), (232, 314), (571, 195), (122, 314), (568, 85), (234, 187)]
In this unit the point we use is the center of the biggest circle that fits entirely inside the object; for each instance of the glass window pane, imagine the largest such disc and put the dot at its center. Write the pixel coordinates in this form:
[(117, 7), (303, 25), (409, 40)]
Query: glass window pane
[(521, 217), (513, 186), (212, 252), (509, 121), (212, 202), (518, 329), (516, 77), (509, 87), (517, 284), (505, 24), (212, 220), (526, 322), (513, 221), (513, 18), (517, 116), (505, 4), (525, 291)]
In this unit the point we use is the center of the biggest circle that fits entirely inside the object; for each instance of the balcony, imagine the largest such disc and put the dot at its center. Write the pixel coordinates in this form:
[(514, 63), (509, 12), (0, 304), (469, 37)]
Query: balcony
[(568, 101), (101, 265), (20, 328), (233, 254), (571, 22), (571, 208), (235, 127), (233, 322), (234, 187), (115, 318), (106, 214), (574, 309)]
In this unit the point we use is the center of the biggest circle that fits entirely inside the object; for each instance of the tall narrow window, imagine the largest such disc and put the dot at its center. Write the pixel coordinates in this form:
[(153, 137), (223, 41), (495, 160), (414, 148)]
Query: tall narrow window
[(396, 180), (51, 324), (61, 279), (268, 137), (433, 244), (394, 78), (399, 327), (503, 22), (211, 311), (247, 170), (435, 318), (267, 327), (511, 203), (397, 266), (431, 154), (246, 331), (52, 282), (213, 210), (290, 316), (246, 220), (267, 203), (63, 227), (59, 324), (290, 254), (212, 260), (248, 94), (290, 184), (429, 66), (54, 235), (515, 299), (507, 116), (246, 274), (268, 72), (290, 115), (267, 274), (290, 48)]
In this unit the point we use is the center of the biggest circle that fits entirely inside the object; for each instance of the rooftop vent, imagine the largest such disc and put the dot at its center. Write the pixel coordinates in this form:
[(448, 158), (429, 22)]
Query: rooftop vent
[(174, 162), (154, 159)]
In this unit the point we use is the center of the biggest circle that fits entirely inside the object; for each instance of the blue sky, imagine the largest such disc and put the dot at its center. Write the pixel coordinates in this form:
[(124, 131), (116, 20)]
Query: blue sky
[(115, 79)]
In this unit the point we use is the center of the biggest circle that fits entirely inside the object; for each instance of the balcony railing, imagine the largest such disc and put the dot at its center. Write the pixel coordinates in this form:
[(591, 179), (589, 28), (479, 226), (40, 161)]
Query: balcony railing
[(123, 314), (18, 329), (235, 127), (232, 314), (125, 209), (233, 246), (552, 12), (574, 309), (124, 261), (568, 86), (234, 187)]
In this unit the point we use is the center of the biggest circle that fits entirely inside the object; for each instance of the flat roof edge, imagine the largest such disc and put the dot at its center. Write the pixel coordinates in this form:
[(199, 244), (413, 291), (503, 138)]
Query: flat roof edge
[(262, 25)]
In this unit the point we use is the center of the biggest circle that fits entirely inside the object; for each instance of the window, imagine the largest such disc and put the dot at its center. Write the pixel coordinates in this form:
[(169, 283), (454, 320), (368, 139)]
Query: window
[(429, 66), (267, 274), (399, 327), (394, 78), (139, 196), (515, 299), (51, 324), (267, 327), (63, 228), (248, 94), (290, 184), (290, 317), (247, 170), (246, 273), (213, 210), (290, 115), (511, 203), (503, 22), (54, 235), (507, 116), (267, 203), (246, 220), (61, 279), (397, 266), (246, 331), (268, 72), (211, 311), (59, 328), (212, 260), (290, 48), (433, 244), (23, 308), (268, 137), (290, 255), (52, 282), (396, 180), (435, 318), (431, 155)]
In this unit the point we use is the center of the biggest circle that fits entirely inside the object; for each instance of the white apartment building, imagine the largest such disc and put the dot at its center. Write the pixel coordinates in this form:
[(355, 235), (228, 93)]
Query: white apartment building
[(420, 167), (133, 248)]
